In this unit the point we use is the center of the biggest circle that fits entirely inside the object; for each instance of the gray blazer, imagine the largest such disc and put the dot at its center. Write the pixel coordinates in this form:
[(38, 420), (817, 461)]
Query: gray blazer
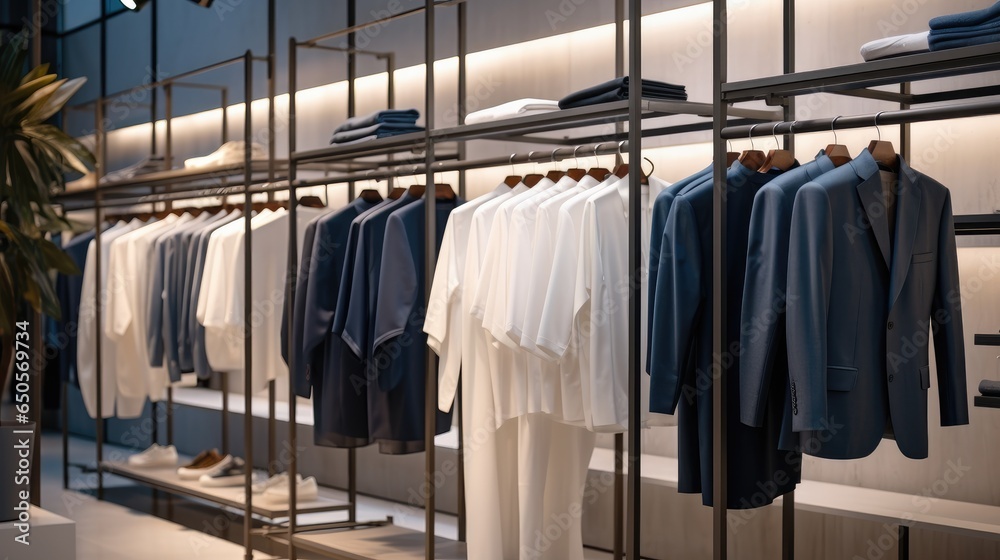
[(860, 311)]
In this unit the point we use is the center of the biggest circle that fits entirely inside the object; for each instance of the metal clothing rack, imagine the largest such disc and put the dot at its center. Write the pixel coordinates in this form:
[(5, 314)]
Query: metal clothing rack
[(855, 80)]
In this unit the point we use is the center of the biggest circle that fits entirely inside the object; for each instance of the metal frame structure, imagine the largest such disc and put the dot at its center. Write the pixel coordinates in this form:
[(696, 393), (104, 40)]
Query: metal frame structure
[(855, 80)]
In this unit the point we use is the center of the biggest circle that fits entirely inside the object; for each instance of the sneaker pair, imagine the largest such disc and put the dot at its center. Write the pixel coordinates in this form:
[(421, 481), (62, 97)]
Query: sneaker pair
[(277, 489), (156, 456), (199, 465)]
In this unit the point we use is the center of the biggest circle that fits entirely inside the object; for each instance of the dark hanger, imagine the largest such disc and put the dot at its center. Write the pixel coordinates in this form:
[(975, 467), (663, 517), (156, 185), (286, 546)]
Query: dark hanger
[(622, 169), (315, 202), (883, 152), (512, 180), (576, 173), (599, 173), (779, 159), (838, 153), (370, 195), (555, 175), (752, 158)]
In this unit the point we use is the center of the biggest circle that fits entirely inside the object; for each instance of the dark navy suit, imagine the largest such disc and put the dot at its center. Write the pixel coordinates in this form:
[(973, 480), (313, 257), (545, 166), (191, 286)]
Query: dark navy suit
[(682, 361), (862, 300), (764, 388)]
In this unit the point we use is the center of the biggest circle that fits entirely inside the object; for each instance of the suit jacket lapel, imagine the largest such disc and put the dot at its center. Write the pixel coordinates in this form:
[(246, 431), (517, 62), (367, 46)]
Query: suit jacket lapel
[(870, 191), (907, 221)]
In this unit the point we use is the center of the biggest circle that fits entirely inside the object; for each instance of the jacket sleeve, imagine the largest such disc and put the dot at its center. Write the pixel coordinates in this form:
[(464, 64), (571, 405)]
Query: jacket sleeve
[(946, 316), (810, 271), (763, 298), (678, 297)]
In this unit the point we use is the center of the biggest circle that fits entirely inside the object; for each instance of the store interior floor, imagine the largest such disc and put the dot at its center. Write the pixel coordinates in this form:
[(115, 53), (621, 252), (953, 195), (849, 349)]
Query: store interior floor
[(133, 522)]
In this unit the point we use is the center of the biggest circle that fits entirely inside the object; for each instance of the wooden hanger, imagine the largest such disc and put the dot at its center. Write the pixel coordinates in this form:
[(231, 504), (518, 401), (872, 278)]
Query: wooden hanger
[(883, 151), (555, 175), (752, 158), (442, 191), (599, 173), (779, 159), (513, 179), (370, 195), (315, 202), (622, 169), (838, 153), (532, 179), (576, 173)]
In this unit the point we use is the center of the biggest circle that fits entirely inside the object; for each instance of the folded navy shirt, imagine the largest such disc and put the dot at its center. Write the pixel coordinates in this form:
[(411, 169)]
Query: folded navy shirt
[(966, 19), (617, 90), (380, 130), (403, 116), (944, 42), (989, 387)]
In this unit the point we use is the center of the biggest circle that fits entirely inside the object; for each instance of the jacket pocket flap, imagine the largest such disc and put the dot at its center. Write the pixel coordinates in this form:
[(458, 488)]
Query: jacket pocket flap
[(925, 377), (841, 378), (923, 257)]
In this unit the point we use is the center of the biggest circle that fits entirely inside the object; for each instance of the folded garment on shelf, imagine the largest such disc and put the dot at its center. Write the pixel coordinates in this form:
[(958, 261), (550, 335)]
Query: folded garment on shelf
[(966, 19), (381, 130), (895, 46), (517, 108), (617, 89), (991, 25), (227, 154), (143, 167), (989, 387), (386, 116), (944, 42)]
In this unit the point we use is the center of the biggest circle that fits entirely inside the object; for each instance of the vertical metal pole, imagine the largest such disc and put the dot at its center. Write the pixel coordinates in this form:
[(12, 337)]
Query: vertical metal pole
[(225, 413), (36, 43), (390, 67), (153, 63), (463, 78), (352, 74), (904, 542), (618, 534), (293, 343), (271, 58), (635, 266), (247, 309), (170, 415), (904, 129), (64, 425), (271, 406), (168, 115), (225, 114), (98, 219), (430, 204), (352, 484), (788, 500), (719, 416)]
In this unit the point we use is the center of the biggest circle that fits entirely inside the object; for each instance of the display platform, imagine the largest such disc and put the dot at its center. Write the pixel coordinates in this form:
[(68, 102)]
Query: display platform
[(50, 536), (387, 542), (166, 479)]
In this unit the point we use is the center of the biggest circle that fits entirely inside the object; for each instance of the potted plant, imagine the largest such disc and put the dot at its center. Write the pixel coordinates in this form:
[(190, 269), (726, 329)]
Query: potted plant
[(34, 157)]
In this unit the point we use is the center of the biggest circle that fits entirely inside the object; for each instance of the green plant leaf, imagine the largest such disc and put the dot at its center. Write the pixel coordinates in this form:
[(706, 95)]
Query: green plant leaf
[(62, 95), (75, 154), (10, 100), (34, 101), (36, 72), (57, 258)]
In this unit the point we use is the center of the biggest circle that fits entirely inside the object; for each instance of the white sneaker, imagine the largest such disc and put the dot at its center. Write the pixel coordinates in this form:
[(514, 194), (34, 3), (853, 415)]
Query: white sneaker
[(227, 154), (155, 457), (276, 480), (306, 491)]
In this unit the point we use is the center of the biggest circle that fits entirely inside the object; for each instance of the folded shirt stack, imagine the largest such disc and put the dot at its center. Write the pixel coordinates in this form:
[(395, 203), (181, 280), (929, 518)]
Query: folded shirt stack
[(617, 89), (966, 29), (895, 46), (380, 124), (517, 108), (989, 388)]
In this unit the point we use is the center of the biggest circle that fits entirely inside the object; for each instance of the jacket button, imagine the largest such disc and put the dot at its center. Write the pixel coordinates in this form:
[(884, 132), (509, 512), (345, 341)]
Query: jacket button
[(890, 378), (890, 325), (795, 410)]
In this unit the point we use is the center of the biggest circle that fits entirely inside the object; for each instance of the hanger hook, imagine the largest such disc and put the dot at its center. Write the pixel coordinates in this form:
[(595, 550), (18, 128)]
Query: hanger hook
[(791, 127), (879, 132), (554, 156), (531, 155), (777, 145), (751, 134), (620, 144), (833, 128), (511, 162), (652, 166), (729, 143)]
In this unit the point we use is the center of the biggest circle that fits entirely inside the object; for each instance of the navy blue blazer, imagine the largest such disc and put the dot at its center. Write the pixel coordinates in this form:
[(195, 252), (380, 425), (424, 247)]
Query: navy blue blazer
[(682, 362), (862, 304), (764, 389)]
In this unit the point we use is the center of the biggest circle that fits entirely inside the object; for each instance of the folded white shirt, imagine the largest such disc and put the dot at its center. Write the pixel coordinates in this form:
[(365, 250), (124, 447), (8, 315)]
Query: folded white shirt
[(228, 153), (516, 108), (895, 46)]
